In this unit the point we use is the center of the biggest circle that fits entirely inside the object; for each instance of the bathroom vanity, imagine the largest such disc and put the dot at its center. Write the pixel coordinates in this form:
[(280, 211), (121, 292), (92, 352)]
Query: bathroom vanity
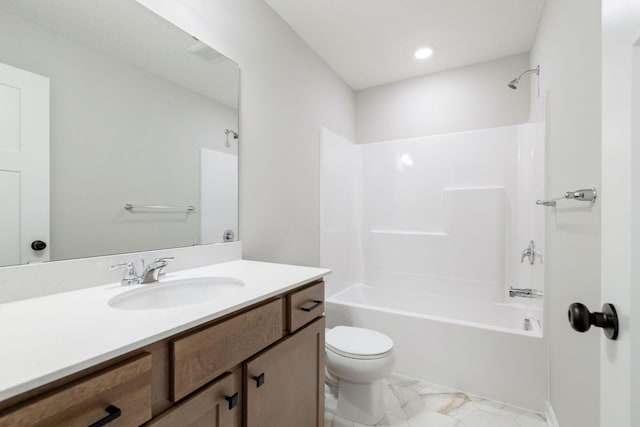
[(255, 357)]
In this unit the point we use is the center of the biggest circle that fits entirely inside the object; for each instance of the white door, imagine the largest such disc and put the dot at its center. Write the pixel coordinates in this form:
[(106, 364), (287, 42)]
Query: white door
[(620, 281), (24, 166)]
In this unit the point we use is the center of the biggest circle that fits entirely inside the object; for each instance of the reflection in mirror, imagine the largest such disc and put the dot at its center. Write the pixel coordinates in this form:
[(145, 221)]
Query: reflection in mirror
[(104, 104)]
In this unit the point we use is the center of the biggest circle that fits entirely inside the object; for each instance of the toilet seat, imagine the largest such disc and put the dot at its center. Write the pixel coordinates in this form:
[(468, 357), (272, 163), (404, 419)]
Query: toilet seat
[(358, 343)]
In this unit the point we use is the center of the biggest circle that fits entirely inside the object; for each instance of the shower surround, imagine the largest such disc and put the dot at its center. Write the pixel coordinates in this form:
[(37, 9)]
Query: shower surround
[(425, 238)]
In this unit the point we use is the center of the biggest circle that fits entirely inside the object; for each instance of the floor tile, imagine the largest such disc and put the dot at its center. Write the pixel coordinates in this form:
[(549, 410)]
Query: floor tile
[(341, 422), (456, 405), (531, 419), (433, 419), (497, 408), (410, 401), (393, 420), (485, 419), (414, 403)]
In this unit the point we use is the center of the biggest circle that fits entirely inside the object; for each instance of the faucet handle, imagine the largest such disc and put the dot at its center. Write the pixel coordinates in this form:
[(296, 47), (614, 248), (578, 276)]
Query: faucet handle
[(130, 275), (128, 265), (530, 252), (165, 260)]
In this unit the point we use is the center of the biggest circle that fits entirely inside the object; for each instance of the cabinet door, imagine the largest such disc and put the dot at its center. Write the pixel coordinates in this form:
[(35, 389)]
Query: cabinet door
[(285, 384), (216, 405)]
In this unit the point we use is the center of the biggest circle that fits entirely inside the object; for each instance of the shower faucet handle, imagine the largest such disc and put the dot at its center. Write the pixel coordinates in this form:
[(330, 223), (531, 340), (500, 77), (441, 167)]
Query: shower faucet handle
[(531, 253)]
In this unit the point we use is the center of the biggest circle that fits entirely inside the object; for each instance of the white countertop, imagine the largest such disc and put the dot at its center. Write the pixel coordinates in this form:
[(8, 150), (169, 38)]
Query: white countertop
[(47, 338)]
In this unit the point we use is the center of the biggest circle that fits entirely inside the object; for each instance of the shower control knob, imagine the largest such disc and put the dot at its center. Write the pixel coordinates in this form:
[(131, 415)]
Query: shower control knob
[(581, 319), (38, 245)]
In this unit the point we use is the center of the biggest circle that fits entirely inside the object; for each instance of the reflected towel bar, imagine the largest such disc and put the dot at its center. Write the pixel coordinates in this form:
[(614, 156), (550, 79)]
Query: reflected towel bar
[(584, 195), (129, 207)]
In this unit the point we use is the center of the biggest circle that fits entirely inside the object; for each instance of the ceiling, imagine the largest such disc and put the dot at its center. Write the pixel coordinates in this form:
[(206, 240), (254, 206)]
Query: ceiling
[(126, 30), (371, 42)]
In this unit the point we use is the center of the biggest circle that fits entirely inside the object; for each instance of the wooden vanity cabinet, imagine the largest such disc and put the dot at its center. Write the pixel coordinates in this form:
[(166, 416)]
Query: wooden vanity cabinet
[(285, 384), (261, 366)]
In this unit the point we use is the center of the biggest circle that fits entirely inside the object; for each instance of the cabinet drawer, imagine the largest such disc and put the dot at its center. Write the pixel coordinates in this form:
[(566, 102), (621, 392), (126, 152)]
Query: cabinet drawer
[(202, 356), (218, 405), (125, 387), (305, 305)]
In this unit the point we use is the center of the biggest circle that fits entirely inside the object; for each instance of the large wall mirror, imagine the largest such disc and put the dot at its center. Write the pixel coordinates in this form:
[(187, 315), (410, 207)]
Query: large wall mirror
[(118, 133)]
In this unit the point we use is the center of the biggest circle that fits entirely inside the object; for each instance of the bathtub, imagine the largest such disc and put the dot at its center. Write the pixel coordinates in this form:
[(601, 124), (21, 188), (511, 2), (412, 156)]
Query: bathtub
[(491, 350)]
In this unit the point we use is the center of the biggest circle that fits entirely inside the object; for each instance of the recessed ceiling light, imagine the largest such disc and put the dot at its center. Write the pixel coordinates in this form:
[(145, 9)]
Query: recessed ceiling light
[(423, 52)]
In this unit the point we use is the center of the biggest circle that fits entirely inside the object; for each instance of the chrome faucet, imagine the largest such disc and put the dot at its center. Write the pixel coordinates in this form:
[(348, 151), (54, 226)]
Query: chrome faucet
[(525, 292), (531, 253), (150, 274), (165, 259)]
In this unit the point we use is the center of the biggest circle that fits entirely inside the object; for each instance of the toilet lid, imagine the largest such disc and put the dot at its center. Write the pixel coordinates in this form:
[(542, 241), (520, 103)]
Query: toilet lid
[(357, 342)]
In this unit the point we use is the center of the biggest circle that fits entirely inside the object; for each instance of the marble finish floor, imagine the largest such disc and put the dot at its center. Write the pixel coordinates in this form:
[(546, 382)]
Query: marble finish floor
[(413, 403)]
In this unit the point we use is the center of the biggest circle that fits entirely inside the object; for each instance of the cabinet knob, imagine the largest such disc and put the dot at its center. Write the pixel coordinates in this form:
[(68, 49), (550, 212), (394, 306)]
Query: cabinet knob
[(581, 319), (259, 379), (233, 400), (38, 245)]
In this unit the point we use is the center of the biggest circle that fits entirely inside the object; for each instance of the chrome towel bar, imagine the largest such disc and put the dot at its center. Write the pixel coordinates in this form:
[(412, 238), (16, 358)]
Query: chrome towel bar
[(584, 195), (130, 207)]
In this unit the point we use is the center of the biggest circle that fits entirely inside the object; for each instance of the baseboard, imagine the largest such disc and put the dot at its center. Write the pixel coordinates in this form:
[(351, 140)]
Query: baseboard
[(551, 416)]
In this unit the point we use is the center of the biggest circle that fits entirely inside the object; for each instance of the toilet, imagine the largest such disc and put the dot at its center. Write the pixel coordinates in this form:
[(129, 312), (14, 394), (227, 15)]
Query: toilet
[(357, 360)]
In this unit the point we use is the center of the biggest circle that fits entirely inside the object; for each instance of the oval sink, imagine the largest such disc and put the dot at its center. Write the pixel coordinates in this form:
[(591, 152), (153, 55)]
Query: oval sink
[(176, 293)]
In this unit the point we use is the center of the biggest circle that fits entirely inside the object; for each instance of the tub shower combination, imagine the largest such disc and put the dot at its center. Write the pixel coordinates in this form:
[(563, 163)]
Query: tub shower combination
[(427, 238)]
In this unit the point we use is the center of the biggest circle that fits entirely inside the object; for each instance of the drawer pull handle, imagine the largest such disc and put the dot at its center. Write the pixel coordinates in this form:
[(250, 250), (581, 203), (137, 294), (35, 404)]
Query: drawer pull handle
[(233, 400), (312, 307), (259, 380), (113, 412)]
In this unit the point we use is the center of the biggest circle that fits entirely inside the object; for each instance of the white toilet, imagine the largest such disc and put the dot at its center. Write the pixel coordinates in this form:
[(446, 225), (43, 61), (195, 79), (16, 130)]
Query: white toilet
[(357, 359)]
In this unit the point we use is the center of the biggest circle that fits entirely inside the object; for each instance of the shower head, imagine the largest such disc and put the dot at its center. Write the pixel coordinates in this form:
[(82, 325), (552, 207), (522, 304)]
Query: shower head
[(513, 84)]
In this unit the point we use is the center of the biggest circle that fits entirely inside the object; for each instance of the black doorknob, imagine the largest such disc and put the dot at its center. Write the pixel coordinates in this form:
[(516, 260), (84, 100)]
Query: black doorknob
[(581, 319), (38, 245)]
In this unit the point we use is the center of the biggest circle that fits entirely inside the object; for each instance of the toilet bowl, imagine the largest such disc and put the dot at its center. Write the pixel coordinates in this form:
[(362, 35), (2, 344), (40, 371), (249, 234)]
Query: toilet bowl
[(357, 359)]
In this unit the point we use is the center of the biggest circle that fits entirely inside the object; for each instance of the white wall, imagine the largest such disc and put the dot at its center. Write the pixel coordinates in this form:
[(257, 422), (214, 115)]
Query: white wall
[(631, 286), (467, 98), (287, 94), (118, 134), (567, 48), (620, 360)]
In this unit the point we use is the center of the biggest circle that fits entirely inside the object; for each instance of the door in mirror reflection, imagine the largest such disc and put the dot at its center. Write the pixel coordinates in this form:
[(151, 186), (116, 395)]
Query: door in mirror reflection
[(24, 166)]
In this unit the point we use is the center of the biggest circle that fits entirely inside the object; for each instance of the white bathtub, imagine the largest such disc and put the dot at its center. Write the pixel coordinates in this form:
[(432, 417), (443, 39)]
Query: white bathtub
[(478, 347)]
